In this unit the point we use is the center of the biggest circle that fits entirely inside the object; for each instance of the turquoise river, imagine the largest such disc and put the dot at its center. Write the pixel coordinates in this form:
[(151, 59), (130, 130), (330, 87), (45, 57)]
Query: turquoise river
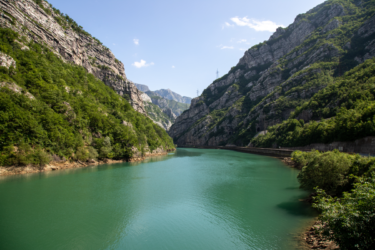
[(193, 199)]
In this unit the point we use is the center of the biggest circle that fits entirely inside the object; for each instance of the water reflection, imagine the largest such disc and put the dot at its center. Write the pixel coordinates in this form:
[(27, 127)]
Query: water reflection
[(191, 199)]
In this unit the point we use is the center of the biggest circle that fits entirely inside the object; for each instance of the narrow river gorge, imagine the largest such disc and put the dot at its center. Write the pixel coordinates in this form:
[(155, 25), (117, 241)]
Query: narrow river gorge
[(190, 199)]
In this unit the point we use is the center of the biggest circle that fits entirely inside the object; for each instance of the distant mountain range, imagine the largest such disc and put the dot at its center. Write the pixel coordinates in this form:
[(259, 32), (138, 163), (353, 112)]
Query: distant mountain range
[(161, 105), (165, 93)]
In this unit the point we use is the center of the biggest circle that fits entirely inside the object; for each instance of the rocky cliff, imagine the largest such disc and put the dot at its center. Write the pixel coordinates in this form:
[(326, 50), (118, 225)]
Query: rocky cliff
[(38, 21), (274, 77)]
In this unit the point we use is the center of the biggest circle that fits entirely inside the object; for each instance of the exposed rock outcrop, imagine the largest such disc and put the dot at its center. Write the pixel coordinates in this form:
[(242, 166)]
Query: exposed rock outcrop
[(43, 25), (6, 61), (17, 89)]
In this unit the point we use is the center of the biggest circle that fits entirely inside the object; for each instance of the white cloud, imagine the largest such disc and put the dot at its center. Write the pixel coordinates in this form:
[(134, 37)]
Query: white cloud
[(173, 67), (242, 41), (226, 47), (227, 25), (256, 24), (136, 41), (141, 64), (242, 49)]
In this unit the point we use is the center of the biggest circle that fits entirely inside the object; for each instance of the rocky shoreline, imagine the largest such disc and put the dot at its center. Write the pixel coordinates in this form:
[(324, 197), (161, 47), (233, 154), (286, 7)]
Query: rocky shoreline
[(53, 166), (311, 237)]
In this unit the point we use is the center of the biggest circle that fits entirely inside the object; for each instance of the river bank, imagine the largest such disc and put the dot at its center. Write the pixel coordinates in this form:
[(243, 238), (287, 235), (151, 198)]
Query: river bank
[(311, 237), (53, 166)]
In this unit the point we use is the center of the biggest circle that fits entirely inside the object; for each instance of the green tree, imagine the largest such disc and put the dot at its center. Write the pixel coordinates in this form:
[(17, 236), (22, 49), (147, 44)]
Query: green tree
[(350, 220), (328, 170)]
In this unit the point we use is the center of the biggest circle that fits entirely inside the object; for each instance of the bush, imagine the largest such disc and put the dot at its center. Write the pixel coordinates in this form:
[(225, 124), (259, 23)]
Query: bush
[(82, 154), (350, 220), (40, 158), (328, 170), (331, 171), (93, 153)]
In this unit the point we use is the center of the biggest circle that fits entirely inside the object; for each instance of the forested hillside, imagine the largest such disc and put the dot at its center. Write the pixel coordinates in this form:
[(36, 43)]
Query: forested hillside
[(343, 111), (52, 108)]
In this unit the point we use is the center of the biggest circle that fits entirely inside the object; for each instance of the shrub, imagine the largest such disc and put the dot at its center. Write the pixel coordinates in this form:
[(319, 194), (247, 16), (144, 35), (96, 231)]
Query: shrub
[(82, 154), (328, 170), (350, 220), (40, 158), (93, 153)]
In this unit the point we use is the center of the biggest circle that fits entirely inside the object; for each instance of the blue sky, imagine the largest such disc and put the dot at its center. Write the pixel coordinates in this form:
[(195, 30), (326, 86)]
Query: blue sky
[(180, 44)]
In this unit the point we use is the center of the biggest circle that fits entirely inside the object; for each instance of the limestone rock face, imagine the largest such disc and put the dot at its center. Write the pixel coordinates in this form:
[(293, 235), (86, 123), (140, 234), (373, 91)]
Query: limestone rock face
[(17, 89), (169, 113), (145, 97), (274, 77), (6, 61), (40, 23)]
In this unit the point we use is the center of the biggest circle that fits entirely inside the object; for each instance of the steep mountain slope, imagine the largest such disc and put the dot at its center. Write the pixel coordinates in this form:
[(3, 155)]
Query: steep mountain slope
[(50, 103), (343, 111), (159, 116), (170, 106), (278, 75), (37, 20)]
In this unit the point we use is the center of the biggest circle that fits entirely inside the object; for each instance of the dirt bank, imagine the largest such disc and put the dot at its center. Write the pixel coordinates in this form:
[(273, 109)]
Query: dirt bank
[(53, 166)]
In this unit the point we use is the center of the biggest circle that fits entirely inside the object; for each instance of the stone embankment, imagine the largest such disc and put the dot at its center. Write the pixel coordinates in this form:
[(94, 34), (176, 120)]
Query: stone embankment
[(364, 146), (260, 151), (53, 166)]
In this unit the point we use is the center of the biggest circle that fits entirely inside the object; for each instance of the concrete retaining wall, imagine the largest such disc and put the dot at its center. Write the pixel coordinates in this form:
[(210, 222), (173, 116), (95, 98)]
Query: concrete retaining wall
[(259, 151), (364, 146)]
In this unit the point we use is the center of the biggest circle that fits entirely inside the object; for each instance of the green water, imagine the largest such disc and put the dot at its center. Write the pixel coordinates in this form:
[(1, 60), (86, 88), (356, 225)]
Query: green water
[(192, 199)]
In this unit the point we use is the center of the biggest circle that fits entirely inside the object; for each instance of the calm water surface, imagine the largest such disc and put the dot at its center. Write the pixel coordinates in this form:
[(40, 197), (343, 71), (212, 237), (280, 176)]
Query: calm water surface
[(192, 199)]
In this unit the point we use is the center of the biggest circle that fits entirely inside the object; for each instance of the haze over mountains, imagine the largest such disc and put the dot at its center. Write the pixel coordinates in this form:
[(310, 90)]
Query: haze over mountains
[(165, 93), (162, 105)]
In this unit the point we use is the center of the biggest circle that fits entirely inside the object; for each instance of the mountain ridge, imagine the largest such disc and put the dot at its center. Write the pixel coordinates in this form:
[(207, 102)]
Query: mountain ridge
[(165, 93)]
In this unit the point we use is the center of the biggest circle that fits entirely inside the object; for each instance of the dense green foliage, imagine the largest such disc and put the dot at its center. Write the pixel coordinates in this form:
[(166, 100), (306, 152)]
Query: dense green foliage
[(72, 113), (350, 219), (349, 103), (331, 171)]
